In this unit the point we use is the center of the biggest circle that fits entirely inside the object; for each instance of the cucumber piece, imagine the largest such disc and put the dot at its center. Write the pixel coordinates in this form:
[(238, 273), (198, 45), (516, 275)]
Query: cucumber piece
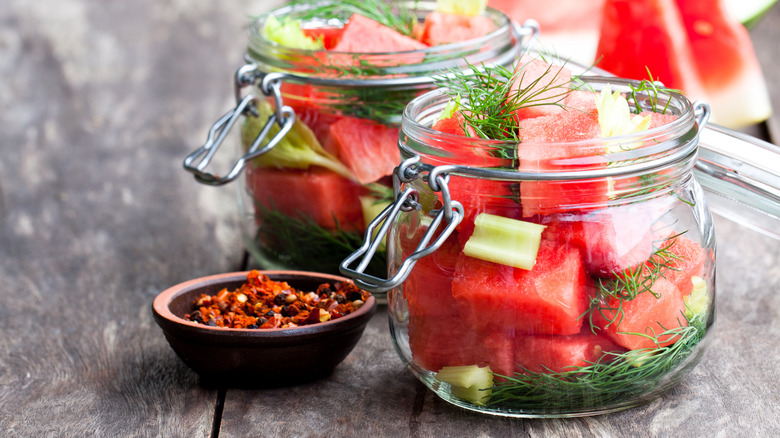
[(468, 382), (505, 241), (697, 303)]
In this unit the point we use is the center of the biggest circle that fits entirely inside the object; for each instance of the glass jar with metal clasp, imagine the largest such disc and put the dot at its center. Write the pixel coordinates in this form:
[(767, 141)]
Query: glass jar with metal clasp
[(319, 133), (576, 285)]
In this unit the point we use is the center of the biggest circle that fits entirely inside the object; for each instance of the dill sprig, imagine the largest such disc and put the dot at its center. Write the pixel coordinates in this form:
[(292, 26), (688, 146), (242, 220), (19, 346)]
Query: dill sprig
[(645, 95), (627, 285), (616, 379), (491, 102), (399, 18), (301, 243)]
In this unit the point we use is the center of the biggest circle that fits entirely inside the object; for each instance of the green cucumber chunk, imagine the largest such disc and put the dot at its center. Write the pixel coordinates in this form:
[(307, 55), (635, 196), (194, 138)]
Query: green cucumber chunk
[(505, 241), (468, 382)]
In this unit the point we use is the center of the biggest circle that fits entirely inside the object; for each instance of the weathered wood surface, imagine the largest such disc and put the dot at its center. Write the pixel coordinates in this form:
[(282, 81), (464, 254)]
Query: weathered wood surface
[(101, 101)]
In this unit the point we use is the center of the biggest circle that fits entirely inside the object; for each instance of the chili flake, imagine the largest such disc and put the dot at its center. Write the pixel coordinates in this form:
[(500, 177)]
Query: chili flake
[(262, 303)]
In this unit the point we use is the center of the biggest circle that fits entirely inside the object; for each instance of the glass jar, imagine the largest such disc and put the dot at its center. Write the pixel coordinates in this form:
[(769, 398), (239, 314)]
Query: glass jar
[(298, 215), (617, 302)]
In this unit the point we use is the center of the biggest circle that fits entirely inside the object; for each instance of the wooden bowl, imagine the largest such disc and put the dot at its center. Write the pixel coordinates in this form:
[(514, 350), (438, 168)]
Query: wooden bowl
[(253, 357)]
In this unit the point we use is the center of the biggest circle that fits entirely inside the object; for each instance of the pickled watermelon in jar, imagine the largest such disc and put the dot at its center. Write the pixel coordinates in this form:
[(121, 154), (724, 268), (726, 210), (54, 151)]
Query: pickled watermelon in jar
[(575, 274)]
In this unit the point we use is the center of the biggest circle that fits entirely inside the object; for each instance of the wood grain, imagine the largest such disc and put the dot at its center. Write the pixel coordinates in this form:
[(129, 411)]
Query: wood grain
[(101, 101)]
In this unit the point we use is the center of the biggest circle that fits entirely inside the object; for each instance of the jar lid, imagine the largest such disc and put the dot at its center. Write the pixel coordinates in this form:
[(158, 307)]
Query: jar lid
[(741, 177)]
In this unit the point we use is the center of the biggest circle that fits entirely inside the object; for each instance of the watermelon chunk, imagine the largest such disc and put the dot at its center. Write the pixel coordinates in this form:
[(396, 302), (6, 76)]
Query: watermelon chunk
[(442, 28), (554, 353), (541, 87), (559, 153), (439, 341), (428, 288), (640, 322), (610, 240), (455, 124), (317, 194), (364, 35), (368, 148), (545, 300), (330, 36), (687, 260)]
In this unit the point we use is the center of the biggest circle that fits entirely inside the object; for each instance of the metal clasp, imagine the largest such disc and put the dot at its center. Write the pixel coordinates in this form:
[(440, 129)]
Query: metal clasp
[(283, 115), (405, 200)]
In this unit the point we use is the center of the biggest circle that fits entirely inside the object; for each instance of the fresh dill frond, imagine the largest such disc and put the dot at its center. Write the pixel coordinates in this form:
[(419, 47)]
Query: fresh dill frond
[(490, 103), (628, 284), (645, 95), (615, 379), (300, 243), (397, 17)]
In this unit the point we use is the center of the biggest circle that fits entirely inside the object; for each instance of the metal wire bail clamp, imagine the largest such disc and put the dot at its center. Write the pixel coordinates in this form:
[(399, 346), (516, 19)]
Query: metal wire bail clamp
[(283, 115)]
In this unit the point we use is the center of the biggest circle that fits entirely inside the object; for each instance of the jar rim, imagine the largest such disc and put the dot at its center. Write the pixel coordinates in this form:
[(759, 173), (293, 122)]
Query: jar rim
[(670, 143), (501, 46)]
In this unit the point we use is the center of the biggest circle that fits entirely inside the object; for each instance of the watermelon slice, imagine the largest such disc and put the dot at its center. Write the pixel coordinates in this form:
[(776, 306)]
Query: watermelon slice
[(637, 35), (545, 300), (553, 353), (368, 148), (688, 45), (726, 61), (640, 322), (317, 194), (442, 28), (364, 35)]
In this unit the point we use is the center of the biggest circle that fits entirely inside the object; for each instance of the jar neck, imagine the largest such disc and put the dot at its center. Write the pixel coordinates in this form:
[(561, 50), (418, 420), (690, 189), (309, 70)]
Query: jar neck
[(671, 144), (400, 69)]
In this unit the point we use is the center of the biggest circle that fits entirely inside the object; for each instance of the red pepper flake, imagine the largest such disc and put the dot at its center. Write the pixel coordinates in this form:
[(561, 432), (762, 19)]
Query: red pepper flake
[(262, 303)]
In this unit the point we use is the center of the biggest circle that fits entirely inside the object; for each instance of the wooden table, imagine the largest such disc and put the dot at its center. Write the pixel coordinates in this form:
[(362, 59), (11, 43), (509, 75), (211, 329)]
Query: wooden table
[(101, 101)]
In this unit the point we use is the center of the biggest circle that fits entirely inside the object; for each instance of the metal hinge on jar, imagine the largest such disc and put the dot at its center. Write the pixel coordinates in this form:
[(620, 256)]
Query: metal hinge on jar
[(406, 199), (283, 115)]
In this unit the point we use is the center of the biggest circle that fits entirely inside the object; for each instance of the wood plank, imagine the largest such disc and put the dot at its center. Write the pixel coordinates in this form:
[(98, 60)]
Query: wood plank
[(103, 100)]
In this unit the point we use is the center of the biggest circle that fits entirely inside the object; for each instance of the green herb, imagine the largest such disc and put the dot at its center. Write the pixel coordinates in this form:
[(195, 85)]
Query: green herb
[(399, 18), (490, 103), (616, 379), (625, 286), (645, 95), (301, 243)]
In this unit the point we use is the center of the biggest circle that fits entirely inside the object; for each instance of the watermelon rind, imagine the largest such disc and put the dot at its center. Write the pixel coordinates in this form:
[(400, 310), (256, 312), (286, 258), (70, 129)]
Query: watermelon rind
[(748, 12)]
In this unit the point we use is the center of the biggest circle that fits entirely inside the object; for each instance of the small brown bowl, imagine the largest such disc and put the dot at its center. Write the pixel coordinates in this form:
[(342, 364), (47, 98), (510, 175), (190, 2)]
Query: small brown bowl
[(253, 357)]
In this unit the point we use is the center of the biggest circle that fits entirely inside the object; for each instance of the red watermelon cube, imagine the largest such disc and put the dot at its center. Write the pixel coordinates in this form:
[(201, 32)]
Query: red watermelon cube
[(540, 86), (687, 259), (428, 288), (549, 143), (442, 28), (368, 148), (365, 35), (548, 299), (555, 353), (317, 194), (610, 240), (439, 341), (642, 321)]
